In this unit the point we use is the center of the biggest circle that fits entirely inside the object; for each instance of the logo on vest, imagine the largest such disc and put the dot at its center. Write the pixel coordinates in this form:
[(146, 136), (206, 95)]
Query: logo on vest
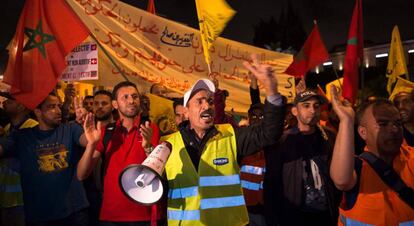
[(221, 161)]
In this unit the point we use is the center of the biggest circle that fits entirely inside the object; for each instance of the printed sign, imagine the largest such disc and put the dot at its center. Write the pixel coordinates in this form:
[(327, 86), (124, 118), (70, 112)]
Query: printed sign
[(82, 63)]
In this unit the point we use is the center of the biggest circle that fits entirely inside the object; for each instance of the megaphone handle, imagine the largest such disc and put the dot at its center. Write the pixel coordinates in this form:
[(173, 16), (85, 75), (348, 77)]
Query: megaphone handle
[(144, 178)]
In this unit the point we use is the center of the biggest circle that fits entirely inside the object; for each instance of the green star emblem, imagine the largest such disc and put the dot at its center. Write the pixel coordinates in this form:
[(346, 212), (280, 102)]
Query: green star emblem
[(353, 41), (37, 39)]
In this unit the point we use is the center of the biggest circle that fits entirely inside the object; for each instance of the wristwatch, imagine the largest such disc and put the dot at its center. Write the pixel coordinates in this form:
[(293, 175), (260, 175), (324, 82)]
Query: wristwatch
[(149, 149)]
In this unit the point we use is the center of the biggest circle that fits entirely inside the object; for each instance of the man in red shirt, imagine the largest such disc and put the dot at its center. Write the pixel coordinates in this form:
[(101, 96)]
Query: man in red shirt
[(130, 143)]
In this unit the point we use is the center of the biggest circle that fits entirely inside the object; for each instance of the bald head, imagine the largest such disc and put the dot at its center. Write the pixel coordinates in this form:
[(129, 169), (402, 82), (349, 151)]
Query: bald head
[(380, 126)]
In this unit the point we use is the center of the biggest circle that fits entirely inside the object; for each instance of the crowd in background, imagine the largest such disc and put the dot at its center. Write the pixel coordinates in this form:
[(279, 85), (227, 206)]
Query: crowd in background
[(300, 163)]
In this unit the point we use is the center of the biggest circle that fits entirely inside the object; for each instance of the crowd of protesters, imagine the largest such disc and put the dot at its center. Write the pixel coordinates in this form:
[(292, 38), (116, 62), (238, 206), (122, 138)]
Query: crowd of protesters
[(290, 164)]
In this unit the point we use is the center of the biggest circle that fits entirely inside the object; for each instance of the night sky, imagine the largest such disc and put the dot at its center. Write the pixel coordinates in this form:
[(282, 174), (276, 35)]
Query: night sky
[(333, 17)]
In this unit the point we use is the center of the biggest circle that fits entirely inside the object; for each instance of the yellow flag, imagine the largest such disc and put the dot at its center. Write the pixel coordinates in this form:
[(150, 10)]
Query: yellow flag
[(337, 83), (402, 86), (396, 60), (213, 16), (162, 114)]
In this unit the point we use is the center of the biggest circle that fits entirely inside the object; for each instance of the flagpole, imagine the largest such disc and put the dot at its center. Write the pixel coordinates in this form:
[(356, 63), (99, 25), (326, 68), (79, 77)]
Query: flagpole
[(361, 72), (337, 78), (333, 68)]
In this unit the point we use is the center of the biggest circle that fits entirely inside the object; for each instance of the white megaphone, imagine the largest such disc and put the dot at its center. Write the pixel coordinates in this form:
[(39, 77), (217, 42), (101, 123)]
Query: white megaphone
[(142, 183)]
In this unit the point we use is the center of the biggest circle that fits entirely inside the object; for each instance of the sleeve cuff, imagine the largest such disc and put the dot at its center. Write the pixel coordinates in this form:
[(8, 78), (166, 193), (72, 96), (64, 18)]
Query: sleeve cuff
[(275, 99)]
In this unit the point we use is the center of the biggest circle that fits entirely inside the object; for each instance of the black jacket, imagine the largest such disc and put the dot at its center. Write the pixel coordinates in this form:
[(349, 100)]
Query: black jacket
[(283, 183), (248, 139)]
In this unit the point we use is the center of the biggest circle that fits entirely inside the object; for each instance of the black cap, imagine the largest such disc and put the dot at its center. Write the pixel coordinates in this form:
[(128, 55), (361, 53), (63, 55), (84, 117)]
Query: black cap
[(306, 95), (7, 95)]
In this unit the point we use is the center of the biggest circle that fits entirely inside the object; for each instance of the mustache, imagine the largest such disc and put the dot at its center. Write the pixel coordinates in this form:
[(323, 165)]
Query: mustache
[(208, 111)]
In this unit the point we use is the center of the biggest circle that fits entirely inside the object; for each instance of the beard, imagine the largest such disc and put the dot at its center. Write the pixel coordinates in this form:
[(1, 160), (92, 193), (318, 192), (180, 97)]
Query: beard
[(129, 114), (103, 117)]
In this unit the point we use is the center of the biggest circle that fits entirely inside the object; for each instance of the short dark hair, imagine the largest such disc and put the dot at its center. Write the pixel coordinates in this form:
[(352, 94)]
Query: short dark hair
[(44, 100), (368, 103), (103, 92), (178, 101), (121, 85), (88, 97), (153, 86)]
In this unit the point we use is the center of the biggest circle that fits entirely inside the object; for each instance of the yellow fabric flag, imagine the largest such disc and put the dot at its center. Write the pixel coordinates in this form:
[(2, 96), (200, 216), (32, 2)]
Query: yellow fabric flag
[(213, 16), (402, 86), (162, 114), (396, 60), (337, 83)]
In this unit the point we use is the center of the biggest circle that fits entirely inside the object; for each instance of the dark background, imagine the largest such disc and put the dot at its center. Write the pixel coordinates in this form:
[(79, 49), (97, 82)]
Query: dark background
[(333, 17), (281, 25)]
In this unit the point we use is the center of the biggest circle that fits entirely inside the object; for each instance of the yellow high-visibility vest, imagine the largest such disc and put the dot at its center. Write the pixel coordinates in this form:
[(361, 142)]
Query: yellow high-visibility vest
[(10, 185), (213, 194)]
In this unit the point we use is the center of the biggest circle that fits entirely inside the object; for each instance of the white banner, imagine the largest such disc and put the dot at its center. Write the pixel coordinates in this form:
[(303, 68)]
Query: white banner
[(150, 49)]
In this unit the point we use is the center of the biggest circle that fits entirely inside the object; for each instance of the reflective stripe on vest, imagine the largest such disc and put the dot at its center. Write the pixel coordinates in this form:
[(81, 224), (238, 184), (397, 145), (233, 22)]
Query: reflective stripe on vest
[(252, 169), (251, 186), (222, 202), (219, 180), (202, 197), (183, 214), (11, 188), (180, 193), (11, 193)]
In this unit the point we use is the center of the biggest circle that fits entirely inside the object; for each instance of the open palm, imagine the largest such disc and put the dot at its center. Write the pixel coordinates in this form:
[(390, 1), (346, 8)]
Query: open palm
[(92, 132)]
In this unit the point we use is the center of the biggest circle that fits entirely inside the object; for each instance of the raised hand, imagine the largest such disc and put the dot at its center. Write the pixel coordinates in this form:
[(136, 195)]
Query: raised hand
[(70, 93), (146, 133), (253, 81), (343, 108), (263, 73), (80, 111), (92, 131)]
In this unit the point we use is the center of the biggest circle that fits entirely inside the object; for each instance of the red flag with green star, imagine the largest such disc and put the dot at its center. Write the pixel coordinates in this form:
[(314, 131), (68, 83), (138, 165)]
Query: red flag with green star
[(354, 54), (311, 55), (46, 32)]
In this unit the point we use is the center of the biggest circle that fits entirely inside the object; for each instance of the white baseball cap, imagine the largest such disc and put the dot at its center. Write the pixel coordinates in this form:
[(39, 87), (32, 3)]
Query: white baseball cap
[(204, 84)]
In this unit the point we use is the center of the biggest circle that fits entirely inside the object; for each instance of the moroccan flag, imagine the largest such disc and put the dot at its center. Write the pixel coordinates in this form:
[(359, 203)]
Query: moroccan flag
[(213, 16), (311, 55), (151, 6), (46, 32), (396, 60), (354, 54)]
